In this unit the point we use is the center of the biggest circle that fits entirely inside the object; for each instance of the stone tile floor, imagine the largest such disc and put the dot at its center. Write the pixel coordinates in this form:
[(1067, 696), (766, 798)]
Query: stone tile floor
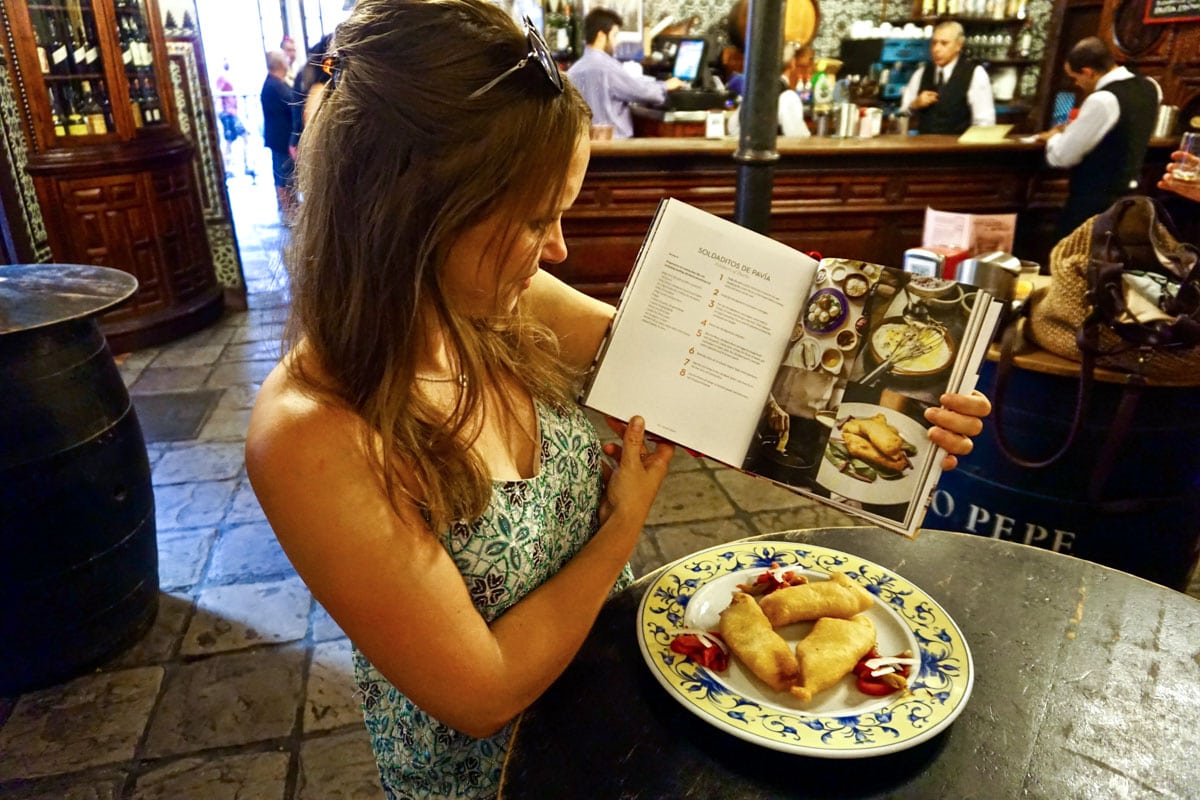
[(243, 690)]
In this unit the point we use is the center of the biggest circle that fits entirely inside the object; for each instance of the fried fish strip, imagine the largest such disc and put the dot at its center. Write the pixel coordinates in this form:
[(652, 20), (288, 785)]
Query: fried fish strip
[(749, 635), (829, 652), (837, 597), (879, 431), (860, 447)]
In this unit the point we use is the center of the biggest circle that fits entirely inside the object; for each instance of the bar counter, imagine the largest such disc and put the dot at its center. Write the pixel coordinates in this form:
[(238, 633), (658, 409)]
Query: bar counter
[(851, 198)]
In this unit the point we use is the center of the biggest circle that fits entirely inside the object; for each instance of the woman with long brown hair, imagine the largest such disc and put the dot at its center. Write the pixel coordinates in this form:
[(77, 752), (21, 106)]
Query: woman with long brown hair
[(418, 451)]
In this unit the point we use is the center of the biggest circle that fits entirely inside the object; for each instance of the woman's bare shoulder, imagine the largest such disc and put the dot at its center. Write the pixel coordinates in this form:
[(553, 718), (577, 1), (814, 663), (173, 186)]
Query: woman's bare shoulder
[(290, 416)]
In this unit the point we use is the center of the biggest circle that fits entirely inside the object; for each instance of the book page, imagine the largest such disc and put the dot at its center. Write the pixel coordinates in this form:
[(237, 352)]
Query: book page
[(888, 344), (700, 331)]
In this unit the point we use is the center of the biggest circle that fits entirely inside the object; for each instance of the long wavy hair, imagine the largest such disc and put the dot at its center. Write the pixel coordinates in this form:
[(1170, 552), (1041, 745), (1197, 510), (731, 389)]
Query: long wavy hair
[(394, 166)]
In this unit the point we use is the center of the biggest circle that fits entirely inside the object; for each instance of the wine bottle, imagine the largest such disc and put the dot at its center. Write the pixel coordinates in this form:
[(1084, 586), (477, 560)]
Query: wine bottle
[(135, 106), (93, 114), (91, 57), (78, 47), (59, 52), (40, 38), (76, 124), (126, 42), (60, 128), (144, 56), (151, 104)]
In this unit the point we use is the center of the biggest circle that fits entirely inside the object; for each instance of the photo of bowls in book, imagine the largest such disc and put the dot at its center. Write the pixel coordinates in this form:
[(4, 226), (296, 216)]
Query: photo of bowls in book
[(873, 455)]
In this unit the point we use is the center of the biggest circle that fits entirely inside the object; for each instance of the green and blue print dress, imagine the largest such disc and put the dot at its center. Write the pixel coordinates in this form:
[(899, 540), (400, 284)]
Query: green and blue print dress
[(530, 530)]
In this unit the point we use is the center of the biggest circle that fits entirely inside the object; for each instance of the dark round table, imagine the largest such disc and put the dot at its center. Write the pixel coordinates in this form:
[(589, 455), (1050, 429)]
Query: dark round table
[(78, 553), (1087, 686)]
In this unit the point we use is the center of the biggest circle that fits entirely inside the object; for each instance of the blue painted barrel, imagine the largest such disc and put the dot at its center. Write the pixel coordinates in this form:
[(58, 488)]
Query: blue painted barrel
[(78, 552), (1149, 521)]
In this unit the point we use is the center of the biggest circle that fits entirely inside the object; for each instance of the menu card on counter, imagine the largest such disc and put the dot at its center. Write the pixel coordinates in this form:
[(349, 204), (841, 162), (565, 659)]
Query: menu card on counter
[(814, 375), (975, 233)]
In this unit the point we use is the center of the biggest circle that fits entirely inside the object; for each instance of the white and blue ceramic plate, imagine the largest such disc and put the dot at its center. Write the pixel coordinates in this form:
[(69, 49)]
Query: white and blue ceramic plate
[(841, 722)]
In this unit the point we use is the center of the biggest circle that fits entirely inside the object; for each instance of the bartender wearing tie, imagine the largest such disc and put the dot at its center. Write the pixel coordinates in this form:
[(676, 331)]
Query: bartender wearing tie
[(951, 94)]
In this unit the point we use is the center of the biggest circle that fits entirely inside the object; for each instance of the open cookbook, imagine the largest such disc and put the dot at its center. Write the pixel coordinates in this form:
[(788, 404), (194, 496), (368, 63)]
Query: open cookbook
[(814, 375)]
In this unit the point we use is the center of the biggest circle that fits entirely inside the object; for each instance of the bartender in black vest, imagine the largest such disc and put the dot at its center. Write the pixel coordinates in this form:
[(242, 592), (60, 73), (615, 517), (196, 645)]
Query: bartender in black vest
[(1106, 143), (951, 94)]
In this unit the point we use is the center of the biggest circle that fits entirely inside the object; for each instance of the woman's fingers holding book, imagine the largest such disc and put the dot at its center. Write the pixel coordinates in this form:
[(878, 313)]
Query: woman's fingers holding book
[(956, 421)]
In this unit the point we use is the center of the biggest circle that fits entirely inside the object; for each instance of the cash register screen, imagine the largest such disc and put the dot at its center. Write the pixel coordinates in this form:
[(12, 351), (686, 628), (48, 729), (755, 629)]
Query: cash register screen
[(688, 59)]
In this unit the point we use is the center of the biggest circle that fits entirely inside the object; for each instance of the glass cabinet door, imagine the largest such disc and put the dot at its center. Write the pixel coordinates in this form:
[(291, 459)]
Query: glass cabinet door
[(71, 60), (137, 63)]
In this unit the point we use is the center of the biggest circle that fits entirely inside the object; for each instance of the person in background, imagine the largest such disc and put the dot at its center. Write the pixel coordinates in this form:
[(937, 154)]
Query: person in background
[(276, 97), (605, 84), (1188, 189), (419, 452), (288, 45), (1105, 145), (308, 88), (790, 109), (231, 125), (950, 94)]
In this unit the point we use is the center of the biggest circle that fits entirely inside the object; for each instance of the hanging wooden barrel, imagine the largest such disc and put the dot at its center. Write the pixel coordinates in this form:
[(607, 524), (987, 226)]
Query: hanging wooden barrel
[(1148, 520), (78, 552)]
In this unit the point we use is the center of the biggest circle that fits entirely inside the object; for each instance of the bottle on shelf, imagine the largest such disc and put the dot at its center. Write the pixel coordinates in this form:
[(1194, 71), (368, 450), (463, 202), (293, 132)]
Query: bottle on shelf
[(93, 112), (135, 106), (78, 47), (59, 51), (41, 39), (126, 42), (91, 56), (151, 103), (56, 117), (76, 124)]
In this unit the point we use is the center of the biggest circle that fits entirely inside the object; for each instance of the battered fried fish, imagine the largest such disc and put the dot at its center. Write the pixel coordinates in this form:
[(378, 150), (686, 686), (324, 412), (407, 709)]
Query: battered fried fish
[(879, 432), (749, 635), (861, 447), (829, 652), (837, 597)]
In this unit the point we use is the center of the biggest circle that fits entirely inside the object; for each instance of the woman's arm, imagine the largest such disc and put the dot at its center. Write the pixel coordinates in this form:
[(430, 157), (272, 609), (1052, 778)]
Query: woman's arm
[(579, 321), (388, 582)]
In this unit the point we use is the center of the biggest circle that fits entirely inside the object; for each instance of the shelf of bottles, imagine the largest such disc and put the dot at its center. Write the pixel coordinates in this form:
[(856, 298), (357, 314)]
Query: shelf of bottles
[(71, 59), (72, 65), (137, 60)]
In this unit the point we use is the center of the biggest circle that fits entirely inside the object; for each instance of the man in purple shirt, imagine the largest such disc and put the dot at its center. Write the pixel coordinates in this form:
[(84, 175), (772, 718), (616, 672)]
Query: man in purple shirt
[(605, 84)]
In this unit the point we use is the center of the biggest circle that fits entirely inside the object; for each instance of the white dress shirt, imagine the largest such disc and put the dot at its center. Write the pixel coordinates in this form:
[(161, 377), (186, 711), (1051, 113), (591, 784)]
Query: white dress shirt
[(979, 93), (1097, 116)]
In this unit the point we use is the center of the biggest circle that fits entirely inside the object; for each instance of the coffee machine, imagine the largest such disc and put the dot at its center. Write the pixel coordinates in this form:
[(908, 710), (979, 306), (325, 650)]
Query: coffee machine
[(890, 62)]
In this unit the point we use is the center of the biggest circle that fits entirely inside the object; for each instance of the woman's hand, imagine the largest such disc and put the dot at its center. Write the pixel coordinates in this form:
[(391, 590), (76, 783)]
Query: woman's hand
[(632, 486), (959, 418), (1188, 189)]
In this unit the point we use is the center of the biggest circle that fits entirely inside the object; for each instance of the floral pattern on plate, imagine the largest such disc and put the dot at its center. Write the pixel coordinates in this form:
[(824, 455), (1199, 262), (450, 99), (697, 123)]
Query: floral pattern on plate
[(844, 727)]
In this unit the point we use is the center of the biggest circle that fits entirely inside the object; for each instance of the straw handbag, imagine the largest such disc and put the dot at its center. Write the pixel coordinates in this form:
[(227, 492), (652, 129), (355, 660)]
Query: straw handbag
[(1124, 295)]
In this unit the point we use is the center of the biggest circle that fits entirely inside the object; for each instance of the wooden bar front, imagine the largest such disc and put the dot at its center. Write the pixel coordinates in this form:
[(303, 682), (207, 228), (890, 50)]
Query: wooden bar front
[(850, 198)]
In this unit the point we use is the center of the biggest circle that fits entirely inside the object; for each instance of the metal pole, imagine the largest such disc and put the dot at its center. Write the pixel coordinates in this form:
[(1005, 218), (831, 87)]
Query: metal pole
[(756, 154)]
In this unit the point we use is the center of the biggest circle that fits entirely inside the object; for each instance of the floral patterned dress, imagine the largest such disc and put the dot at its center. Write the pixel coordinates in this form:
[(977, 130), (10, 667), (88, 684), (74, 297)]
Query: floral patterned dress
[(528, 532)]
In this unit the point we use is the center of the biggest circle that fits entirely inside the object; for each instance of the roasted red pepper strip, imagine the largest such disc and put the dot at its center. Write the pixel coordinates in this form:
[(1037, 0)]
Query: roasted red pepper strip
[(711, 656), (873, 685)]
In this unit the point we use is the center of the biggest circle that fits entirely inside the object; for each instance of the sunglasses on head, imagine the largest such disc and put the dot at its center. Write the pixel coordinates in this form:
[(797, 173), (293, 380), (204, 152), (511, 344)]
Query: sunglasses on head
[(539, 53)]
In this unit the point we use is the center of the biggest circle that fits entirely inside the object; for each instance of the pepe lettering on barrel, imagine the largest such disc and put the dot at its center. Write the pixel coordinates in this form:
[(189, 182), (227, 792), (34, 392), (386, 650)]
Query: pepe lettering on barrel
[(997, 525)]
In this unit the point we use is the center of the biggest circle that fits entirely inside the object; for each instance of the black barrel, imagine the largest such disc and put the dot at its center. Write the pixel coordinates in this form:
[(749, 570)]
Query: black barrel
[(1148, 520), (78, 552)]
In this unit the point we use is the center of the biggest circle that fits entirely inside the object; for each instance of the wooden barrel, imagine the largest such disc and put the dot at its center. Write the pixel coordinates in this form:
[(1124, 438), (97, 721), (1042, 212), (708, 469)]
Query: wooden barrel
[(1148, 519), (78, 552)]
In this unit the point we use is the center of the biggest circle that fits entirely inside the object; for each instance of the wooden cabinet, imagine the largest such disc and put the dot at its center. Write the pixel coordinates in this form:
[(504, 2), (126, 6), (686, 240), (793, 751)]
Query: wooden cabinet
[(113, 175)]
